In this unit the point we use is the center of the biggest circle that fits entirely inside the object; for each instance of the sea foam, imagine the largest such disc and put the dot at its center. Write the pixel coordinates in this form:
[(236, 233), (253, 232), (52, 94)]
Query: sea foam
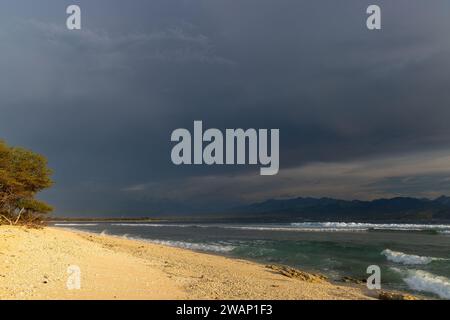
[(349, 226), (214, 247), (303, 226), (423, 281), (75, 224), (407, 259)]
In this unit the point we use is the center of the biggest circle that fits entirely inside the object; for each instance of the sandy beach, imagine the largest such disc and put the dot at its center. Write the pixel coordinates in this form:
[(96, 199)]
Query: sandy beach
[(34, 263)]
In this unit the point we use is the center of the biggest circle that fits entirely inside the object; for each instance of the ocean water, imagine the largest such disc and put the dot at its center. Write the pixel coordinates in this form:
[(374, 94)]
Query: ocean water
[(412, 257)]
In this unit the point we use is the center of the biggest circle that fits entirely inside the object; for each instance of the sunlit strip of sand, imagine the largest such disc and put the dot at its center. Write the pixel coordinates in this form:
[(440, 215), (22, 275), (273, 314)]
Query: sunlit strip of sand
[(34, 264)]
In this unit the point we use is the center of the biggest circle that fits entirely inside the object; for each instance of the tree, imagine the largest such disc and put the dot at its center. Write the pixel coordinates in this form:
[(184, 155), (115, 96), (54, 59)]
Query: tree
[(23, 174)]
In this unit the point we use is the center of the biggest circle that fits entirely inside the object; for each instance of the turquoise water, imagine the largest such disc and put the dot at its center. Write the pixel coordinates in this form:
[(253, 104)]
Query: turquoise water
[(414, 258)]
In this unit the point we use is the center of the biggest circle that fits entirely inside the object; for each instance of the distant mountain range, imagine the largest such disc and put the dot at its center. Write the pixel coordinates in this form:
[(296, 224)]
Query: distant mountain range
[(328, 209)]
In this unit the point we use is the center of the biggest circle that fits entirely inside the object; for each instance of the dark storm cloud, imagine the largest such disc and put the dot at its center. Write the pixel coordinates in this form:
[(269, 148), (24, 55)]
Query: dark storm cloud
[(101, 102)]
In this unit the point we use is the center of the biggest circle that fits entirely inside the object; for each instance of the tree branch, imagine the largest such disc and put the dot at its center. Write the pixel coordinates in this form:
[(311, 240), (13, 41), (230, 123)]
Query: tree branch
[(18, 216), (4, 217)]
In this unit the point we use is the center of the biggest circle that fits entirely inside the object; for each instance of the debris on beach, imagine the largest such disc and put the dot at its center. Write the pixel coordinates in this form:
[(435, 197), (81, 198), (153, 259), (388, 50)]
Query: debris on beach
[(353, 280), (386, 295), (298, 274)]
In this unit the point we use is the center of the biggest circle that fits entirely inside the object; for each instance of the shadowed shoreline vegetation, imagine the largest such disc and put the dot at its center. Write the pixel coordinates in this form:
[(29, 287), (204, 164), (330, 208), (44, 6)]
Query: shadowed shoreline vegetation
[(23, 174)]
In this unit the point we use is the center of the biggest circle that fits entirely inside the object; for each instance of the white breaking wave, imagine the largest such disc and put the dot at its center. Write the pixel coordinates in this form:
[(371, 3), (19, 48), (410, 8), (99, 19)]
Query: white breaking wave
[(292, 227), (250, 227), (195, 246), (213, 247), (238, 227), (140, 224), (408, 259), (158, 225), (289, 228), (75, 224), (365, 226), (423, 281)]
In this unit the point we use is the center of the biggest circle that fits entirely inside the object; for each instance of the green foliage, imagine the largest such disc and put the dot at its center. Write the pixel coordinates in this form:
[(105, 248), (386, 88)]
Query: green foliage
[(23, 174)]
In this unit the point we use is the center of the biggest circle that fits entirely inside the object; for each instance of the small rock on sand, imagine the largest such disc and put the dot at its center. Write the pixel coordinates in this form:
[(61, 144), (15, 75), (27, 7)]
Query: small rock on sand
[(298, 274), (353, 280), (386, 295)]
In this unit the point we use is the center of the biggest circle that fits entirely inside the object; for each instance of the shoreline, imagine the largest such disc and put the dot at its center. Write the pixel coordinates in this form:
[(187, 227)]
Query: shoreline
[(33, 265)]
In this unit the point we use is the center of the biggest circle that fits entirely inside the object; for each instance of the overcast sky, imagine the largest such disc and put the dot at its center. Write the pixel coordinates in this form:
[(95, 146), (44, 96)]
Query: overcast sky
[(362, 114)]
